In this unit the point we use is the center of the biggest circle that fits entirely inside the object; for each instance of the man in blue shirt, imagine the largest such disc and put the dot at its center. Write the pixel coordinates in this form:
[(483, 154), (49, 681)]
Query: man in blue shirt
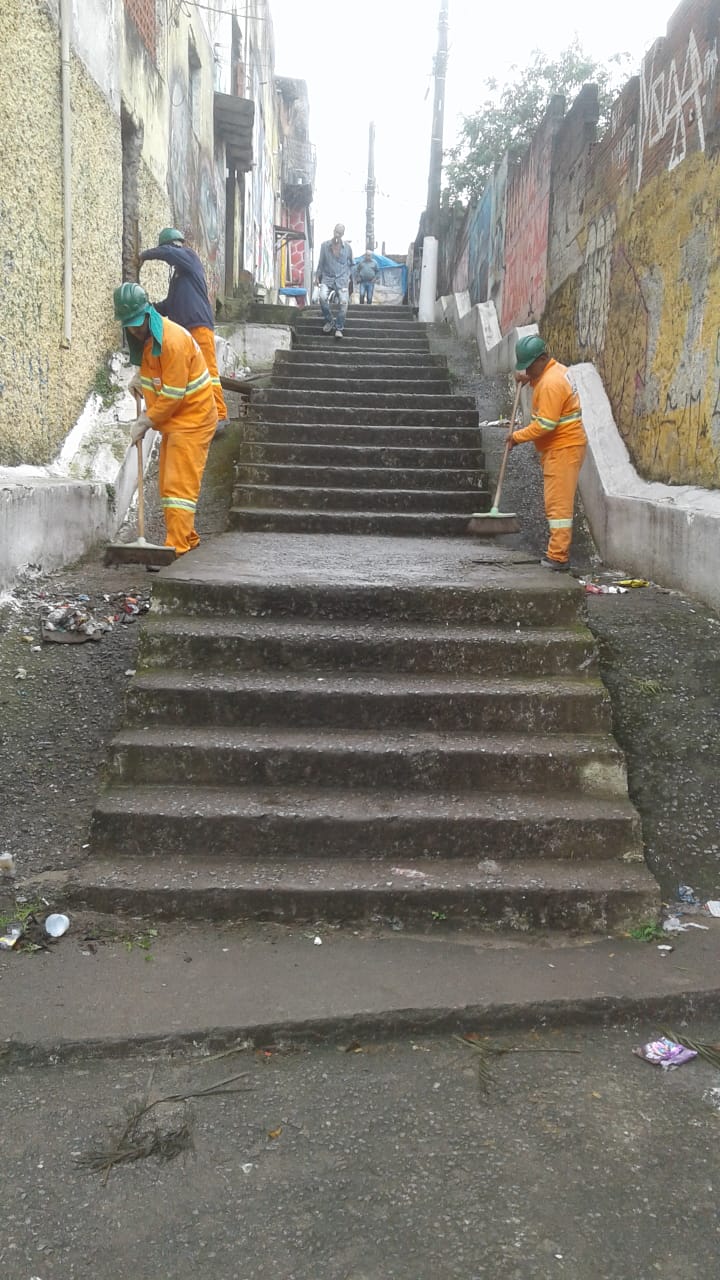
[(366, 273), (334, 271), (188, 304)]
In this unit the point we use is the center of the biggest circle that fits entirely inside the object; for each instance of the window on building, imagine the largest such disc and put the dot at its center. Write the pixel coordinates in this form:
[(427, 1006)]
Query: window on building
[(144, 16)]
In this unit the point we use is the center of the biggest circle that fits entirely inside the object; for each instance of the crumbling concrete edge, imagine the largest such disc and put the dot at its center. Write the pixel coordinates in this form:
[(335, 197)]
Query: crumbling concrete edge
[(379, 1026), (669, 534)]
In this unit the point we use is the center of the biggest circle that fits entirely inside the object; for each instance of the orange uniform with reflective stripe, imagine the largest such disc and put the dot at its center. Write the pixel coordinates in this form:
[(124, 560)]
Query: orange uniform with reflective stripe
[(205, 339), (557, 431), (180, 404)]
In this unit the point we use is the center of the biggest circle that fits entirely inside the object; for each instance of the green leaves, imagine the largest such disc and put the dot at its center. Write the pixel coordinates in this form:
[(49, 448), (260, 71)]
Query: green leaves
[(509, 116)]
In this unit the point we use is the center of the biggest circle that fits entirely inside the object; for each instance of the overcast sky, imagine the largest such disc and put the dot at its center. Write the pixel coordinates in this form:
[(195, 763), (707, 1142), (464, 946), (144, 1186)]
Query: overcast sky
[(369, 60)]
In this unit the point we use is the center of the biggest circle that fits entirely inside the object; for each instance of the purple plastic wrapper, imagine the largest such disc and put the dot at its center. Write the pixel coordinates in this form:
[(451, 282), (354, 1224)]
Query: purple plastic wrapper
[(666, 1053)]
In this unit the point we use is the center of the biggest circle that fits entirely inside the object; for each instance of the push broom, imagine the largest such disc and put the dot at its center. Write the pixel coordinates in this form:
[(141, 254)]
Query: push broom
[(139, 551), (494, 522)]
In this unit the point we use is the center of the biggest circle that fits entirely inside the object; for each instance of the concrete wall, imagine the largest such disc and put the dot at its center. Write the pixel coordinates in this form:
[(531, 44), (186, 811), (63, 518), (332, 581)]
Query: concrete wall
[(612, 247)]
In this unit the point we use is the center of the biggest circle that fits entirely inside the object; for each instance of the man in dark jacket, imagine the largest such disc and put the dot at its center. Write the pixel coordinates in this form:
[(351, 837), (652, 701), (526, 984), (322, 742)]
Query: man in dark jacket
[(187, 302)]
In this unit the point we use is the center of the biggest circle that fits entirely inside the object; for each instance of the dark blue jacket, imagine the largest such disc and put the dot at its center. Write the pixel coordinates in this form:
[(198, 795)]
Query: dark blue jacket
[(187, 301)]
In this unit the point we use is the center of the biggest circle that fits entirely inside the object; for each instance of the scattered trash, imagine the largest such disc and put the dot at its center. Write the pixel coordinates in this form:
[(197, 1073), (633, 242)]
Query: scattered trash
[(317, 942), (665, 1053), (693, 924), (714, 908), (673, 924), (56, 925), (275, 1133), (12, 935), (665, 949), (712, 1098), (708, 1052), (633, 582), (686, 894), (21, 674), (75, 620), (131, 672), (410, 872), (247, 1168), (7, 864), (601, 588)]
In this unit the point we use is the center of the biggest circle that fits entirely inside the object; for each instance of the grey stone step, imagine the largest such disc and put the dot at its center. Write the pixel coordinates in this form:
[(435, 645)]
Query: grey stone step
[(522, 894), (360, 401), (378, 342), (294, 497), (244, 644), (357, 478), (347, 356), (340, 579), (339, 370), (365, 434), (254, 822), (383, 523), (357, 327), (341, 385), (589, 765), (368, 701), (363, 415), (267, 453)]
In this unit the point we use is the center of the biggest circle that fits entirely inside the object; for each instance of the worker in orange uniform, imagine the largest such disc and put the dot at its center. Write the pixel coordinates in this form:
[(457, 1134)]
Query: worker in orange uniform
[(175, 382), (557, 431), (188, 304)]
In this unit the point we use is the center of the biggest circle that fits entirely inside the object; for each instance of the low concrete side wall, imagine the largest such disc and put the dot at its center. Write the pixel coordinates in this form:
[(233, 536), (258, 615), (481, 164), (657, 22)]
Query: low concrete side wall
[(669, 533), (250, 346), (49, 522)]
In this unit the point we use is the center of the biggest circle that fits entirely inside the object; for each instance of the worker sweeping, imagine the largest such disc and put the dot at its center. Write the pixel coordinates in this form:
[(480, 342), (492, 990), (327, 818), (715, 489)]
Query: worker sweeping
[(557, 431), (188, 304), (175, 383)]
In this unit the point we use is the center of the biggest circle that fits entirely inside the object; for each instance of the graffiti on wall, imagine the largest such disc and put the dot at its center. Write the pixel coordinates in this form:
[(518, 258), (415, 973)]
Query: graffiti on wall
[(526, 234), (195, 187), (673, 100), (594, 292)]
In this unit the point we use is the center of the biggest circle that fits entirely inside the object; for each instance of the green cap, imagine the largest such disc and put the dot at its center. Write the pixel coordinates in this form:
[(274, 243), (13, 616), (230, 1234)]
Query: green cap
[(131, 304), (169, 235), (527, 350)]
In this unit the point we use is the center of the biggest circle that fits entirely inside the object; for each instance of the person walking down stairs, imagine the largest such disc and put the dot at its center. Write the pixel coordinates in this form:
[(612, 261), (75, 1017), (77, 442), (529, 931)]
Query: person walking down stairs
[(334, 272)]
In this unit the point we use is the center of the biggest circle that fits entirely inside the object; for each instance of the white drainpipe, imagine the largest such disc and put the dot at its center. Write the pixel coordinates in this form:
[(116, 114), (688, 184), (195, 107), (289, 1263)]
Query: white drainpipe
[(65, 26)]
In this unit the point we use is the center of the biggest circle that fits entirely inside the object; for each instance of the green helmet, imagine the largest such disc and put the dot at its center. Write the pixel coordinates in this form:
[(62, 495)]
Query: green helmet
[(131, 304), (170, 235), (527, 350)]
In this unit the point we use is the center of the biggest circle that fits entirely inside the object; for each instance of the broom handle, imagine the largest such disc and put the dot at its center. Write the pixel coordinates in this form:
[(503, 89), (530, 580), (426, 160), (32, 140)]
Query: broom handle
[(140, 490), (506, 454)]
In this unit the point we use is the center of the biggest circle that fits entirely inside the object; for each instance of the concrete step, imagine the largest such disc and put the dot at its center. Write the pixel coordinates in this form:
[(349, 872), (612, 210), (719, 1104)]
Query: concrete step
[(245, 644), (378, 342), (348, 355), (358, 327), (365, 434), (361, 700), (454, 763), (267, 453), (293, 497), (362, 415), (356, 478), (360, 401), (303, 381), (369, 373), (524, 894), (383, 523), (248, 822), (381, 310)]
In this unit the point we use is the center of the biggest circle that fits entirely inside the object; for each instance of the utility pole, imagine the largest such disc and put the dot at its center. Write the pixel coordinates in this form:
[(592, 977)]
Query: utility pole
[(428, 278), (370, 188)]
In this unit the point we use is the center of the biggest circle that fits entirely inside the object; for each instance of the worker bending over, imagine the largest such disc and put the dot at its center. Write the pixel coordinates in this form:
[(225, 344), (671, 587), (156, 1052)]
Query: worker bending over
[(557, 431), (175, 383), (187, 302)]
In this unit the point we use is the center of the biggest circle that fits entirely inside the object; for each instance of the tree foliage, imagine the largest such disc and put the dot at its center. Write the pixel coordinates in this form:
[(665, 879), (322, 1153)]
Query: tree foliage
[(511, 113)]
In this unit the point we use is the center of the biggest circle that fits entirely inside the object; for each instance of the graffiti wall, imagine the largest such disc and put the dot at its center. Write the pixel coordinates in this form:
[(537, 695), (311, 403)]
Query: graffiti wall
[(612, 244)]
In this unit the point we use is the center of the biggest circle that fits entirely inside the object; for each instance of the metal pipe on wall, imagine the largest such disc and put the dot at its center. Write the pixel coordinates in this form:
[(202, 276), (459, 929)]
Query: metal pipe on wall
[(65, 27)]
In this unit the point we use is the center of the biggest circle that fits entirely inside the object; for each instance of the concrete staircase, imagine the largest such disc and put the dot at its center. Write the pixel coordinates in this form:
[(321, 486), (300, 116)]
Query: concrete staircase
[(360, 436), (340, 727)]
